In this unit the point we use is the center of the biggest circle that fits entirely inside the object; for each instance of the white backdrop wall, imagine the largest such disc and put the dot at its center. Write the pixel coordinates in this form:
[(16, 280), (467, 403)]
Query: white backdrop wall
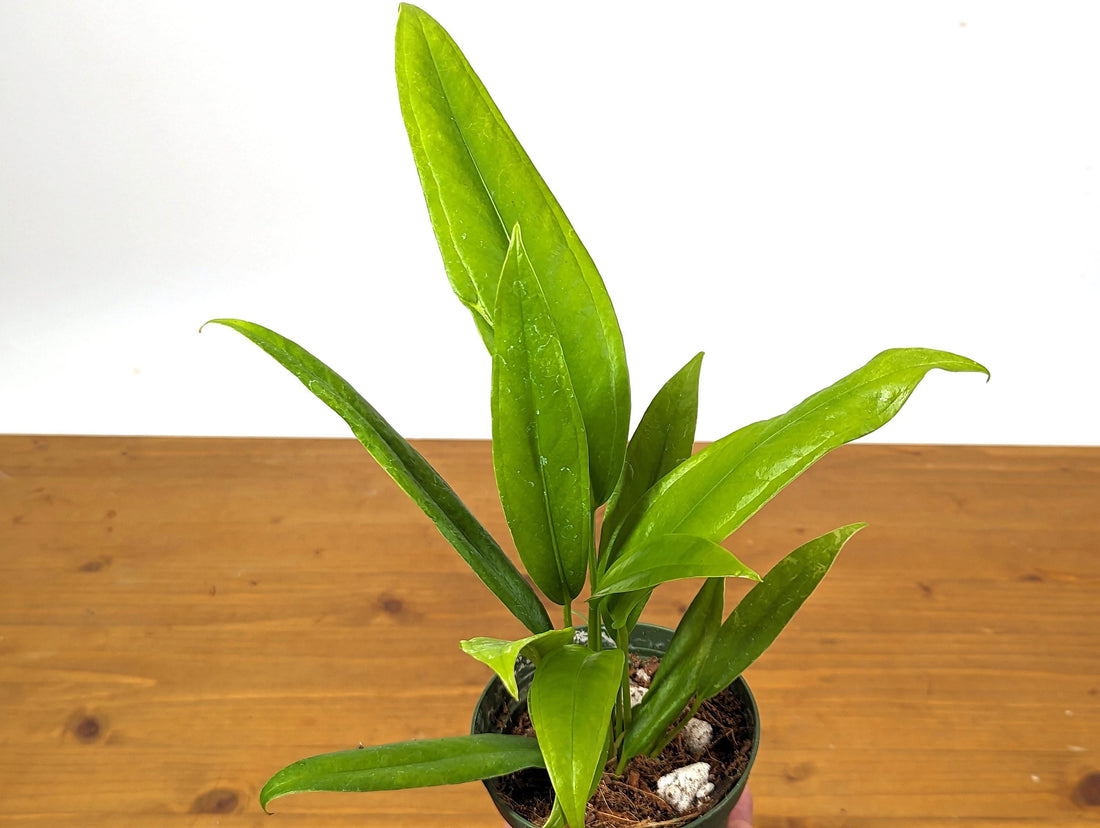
[(790, 187)]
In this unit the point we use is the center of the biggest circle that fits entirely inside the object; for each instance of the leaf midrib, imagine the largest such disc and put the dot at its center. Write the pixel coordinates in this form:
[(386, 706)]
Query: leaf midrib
[(536, 406), (469, 154)]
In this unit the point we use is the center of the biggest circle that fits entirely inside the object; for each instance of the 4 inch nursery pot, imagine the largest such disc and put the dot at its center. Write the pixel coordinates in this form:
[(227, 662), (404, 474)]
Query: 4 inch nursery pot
[(645, 640)]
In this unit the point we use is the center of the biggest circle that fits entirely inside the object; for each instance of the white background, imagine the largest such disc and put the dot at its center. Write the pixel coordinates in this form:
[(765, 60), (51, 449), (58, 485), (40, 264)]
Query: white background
[(790, 187)]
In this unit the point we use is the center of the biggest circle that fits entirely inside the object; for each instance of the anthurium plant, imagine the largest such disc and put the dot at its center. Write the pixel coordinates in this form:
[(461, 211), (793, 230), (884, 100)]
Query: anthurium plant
[(560, 407)]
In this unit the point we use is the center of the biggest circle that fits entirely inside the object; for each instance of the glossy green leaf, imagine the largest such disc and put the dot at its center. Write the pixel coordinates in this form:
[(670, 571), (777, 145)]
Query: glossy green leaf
[(662, 440), (625, 608), (674, 684), (765, 610), (556, 818), (630, 581), (572, 695), (417, 764), (539, 449), (718, 489), (478, 183), (671, 558), (501, 655), (692, 639), (410, 471)]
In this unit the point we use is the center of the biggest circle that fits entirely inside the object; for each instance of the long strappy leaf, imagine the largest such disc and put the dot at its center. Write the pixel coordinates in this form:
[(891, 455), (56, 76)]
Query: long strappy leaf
[(410, 471)]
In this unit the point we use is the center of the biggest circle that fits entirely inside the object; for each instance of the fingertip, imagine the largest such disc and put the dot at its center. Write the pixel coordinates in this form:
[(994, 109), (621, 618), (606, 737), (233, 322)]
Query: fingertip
[(741, 815)]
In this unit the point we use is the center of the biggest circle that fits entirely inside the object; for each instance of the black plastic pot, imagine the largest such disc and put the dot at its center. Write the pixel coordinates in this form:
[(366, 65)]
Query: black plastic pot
[(646, 640)]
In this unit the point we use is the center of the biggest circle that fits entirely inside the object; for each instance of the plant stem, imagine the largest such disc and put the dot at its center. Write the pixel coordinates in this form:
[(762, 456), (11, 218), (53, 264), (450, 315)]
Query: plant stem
[(623, 642), (567, 615), (595, 627), (592, 562), (676, 730), (623, 710)]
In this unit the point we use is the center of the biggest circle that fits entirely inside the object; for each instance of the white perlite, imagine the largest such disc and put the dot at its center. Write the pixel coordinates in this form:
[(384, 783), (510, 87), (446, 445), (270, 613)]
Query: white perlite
[(697, 735), (581, 637), (642, 677), (685, 786), (636, 694)]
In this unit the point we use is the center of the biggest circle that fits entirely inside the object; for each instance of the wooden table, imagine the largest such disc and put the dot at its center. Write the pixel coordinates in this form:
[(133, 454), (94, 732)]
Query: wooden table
[(181, 617)]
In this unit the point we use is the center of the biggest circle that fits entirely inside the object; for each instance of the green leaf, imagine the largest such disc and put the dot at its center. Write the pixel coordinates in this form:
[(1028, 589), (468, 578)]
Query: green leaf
[(501, 655), (670, 558), (630, 581), (674, 683), (687, 651), (766, 609), (539, 450), (718, 489), (557, 816), (417, 764), (625, 608), (662, 440), (478, 183), (410, 471), (572, 695)]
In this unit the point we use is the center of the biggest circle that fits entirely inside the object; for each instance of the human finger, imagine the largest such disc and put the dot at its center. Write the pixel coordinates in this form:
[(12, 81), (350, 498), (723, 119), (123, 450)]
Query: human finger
[(741, 815)]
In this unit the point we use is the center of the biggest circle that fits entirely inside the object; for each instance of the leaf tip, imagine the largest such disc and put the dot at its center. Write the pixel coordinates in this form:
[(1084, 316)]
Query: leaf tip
[(220, 321), (852, 528), (280, 784), (408, 9), (266, 796), (846, 533), (977, 368), (515, 238), (972, 366)]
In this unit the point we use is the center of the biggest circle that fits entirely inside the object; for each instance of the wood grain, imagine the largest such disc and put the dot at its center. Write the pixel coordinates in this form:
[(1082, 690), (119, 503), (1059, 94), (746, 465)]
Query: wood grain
[(181, 617)]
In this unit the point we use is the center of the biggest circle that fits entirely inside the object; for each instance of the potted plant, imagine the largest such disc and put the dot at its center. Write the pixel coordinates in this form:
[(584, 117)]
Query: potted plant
[(560, 413)]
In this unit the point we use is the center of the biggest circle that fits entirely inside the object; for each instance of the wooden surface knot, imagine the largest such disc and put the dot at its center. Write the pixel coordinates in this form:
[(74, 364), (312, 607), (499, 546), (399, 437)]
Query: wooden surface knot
[(1087, 792), (87, 729), (215, 801)]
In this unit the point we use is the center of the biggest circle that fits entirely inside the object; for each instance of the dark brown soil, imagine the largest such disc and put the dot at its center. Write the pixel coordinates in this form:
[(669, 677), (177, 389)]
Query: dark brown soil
[(631, 801)]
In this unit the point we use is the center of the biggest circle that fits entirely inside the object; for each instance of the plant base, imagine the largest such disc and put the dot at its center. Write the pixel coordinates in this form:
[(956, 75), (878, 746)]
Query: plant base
[(524, 799)]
